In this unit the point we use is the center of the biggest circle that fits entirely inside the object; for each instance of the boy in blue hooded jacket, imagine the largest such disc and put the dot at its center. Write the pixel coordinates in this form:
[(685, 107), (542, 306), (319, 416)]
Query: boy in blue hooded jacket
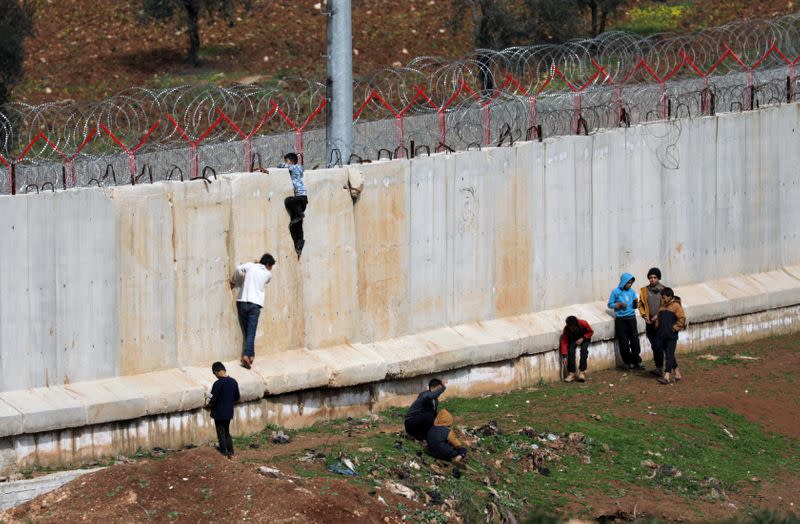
[(624, 302)]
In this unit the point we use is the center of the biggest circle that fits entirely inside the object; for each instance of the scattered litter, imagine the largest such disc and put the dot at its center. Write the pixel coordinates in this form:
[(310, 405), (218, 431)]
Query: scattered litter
[(414, 465), (341, 469), (544, 471), (279, 437), (610, 385), (488, 430), (669, 471), (708, 357), (654, 454), (745, 357), (255, 445), (347, 462), (311, 456), (727, 432), (185, 479), (398, 444), (365, 450), (595, 417), (649, 464), (652, 413), (382, 500), (399, 489), (552, 437), (456, 473)]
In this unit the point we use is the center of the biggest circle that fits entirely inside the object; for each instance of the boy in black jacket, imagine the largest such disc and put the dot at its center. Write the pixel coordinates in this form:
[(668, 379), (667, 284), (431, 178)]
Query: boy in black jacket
[(224, 393), (422, 413)]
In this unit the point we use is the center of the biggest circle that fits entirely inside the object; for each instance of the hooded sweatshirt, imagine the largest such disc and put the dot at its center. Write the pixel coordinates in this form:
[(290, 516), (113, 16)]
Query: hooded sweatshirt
[(442, 441), (627, 297)]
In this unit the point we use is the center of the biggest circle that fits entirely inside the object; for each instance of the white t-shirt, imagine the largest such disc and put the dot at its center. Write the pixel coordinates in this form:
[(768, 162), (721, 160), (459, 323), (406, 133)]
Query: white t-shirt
[(253, 278)]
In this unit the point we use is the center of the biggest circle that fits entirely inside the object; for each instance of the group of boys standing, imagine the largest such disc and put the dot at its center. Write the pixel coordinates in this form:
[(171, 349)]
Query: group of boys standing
[(663, 316)]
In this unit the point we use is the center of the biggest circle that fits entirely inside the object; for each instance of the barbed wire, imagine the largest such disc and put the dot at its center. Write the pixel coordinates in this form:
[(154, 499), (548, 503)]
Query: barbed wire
[(435, 104)]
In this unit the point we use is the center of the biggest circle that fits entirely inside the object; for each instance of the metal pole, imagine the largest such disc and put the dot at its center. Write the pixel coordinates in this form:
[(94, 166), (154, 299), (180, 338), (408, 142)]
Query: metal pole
[(339, 130)]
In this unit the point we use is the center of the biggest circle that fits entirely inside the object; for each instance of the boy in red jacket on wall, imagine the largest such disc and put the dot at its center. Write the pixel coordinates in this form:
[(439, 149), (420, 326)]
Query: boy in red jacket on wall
[(577, 333)]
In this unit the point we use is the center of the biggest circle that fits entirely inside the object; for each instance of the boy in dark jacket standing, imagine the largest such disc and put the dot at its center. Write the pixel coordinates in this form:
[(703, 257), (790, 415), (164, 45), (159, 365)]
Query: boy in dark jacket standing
[(224, 393), (624, 302), (649, 304), (577, 333), (671, 319), (442, 441), (422, 413)]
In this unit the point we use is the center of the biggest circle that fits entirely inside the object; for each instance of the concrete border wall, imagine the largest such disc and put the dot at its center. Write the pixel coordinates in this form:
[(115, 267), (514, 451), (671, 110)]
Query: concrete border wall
[(113, 302)]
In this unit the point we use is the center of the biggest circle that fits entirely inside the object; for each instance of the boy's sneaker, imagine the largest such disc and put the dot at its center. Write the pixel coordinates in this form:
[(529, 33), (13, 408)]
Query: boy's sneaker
[(581, 377), (657, 372), (570, 377)]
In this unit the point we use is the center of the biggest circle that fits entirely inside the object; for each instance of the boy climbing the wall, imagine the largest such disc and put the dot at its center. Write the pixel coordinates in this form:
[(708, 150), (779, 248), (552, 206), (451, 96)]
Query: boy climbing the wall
[(422, 413), (296, 205)]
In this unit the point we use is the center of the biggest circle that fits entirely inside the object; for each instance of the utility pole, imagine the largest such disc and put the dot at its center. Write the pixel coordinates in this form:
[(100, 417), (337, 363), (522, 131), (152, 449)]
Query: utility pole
[(339, 84)]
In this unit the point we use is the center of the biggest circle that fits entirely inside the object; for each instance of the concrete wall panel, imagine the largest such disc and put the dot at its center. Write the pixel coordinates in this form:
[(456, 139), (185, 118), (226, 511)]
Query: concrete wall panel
[(512, 234), (146, 278), (470, 239), (427, 257), (382, 245), (204, 319), (330, 272)]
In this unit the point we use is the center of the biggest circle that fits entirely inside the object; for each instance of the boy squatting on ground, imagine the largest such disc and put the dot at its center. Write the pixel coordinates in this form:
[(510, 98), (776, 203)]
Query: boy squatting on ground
[(253, 278), (422, 413), (442, 441), (671, 319), (624, 302), (296, 205), (224, 393), (577, 333), (649, 304)]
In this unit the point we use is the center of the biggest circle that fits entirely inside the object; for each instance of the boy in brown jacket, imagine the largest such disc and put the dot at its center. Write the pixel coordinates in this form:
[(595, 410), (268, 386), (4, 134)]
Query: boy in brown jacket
[(649, 304), (442, 441), (671, 319)]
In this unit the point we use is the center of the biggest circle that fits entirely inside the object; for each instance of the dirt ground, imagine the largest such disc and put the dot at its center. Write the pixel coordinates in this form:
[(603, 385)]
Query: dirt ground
[(756, 381)]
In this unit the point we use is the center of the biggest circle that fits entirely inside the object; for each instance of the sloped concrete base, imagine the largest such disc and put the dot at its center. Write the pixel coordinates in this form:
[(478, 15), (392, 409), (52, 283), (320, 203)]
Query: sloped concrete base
[(303, 408)]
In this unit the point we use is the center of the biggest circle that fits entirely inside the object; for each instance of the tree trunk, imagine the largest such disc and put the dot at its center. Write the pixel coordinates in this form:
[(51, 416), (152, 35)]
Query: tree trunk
[(603, 19), (193, 16), (593, 7)]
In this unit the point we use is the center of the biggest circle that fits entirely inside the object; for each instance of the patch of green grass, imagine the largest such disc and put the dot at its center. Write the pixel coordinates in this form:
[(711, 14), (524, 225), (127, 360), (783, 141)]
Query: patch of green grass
[(655, 18), (172, 515), (143, 483), (206, 492)]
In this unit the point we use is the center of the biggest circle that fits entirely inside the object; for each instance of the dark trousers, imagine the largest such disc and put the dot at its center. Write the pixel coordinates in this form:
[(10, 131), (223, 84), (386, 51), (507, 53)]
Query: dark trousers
[(658, 353), (571, 356), (628, 339), (418, 425), (296, 206), (669, 345), (248, 321), (224, 437)]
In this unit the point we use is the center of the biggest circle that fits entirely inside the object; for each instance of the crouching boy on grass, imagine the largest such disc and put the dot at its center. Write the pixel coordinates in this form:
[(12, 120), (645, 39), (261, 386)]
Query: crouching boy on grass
[(224, 393), (577, 334), (442, 441)]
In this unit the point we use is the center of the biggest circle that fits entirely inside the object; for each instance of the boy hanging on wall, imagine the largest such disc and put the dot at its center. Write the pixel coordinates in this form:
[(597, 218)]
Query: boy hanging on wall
[(624, 302), (649, 304), (422, 413), (224, 393), (577, 334), (296, 205)]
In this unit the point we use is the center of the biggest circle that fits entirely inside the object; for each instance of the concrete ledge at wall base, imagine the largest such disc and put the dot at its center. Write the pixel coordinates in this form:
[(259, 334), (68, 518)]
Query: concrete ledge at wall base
[(17, 492), (303, 408), (425, 353)]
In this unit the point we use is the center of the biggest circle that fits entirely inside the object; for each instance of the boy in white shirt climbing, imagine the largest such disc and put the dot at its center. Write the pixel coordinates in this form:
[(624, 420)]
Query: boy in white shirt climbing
[(252, 277)]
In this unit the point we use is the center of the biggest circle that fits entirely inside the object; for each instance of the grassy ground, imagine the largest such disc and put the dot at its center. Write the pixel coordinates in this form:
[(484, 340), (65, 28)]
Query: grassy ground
[(723, 445)]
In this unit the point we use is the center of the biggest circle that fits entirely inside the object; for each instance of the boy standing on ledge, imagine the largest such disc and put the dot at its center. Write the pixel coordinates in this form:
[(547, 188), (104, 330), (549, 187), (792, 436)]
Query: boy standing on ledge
[(624, 302), (296, 205), (224, 393)]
